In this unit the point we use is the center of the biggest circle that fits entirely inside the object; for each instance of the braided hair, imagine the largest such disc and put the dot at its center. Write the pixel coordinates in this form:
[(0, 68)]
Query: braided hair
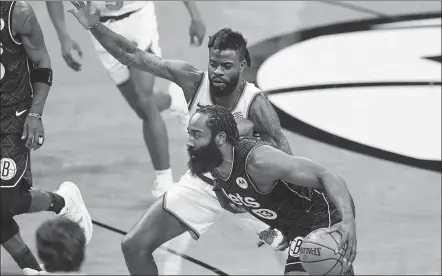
[(226, 39), (220, 120)]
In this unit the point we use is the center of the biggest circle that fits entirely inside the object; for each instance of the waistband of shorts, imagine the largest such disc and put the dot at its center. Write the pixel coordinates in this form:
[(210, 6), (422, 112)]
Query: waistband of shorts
[(104, 19)]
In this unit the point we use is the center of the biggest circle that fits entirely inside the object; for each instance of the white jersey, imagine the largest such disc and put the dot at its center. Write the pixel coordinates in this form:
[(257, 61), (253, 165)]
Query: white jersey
[(128, 6), (241, 109)]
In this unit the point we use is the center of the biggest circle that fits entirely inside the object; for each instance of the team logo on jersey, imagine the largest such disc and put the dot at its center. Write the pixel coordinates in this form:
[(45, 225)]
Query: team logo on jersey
[(8, 169), (295, 247), (242, 183)]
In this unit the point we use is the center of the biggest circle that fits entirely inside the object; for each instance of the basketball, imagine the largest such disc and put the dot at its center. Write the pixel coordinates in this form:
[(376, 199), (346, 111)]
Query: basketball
[(317, 253)]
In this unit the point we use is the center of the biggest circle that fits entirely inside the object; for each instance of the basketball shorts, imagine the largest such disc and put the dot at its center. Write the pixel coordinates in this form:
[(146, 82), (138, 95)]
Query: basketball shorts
[(193, 202), (323, 214), (139, 27), (16, 180)]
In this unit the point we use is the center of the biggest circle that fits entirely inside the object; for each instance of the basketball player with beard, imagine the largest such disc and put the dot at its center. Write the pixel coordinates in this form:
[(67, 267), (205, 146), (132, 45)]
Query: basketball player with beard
[(260, 178), (190, 205)]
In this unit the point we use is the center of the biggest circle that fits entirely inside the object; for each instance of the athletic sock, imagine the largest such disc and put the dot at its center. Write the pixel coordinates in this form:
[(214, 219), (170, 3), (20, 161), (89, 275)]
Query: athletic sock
[(164, 177), (57, 202)]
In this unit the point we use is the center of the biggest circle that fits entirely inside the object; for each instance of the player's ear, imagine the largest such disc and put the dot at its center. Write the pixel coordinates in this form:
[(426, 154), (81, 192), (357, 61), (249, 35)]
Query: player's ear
[(242, 65), (221, 138)]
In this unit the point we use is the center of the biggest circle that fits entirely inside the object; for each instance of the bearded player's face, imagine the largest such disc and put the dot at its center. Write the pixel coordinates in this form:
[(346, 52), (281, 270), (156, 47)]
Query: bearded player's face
[(224, 70), (204, 153)]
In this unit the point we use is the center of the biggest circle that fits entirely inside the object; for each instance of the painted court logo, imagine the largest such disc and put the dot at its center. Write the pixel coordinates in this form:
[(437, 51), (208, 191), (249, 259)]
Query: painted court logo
[(346, 69)]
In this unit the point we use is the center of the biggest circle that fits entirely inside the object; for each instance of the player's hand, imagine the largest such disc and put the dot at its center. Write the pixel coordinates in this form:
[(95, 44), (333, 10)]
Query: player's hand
[(33, 132), (87, 14), (70, 47), (347, 228), (245, 127), (197, 31)]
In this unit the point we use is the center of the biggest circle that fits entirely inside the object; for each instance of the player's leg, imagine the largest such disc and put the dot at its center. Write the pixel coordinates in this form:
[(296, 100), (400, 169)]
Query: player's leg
[(143, 101), (189, 205), (156, 227), (9, 235)]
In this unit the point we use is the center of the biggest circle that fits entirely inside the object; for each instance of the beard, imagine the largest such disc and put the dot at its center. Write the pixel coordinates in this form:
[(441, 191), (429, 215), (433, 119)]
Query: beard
[(226, 90), (204, 159)]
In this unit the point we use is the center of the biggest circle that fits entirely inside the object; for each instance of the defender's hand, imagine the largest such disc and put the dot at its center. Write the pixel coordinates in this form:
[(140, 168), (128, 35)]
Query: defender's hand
[(33, 132), (87, 14)]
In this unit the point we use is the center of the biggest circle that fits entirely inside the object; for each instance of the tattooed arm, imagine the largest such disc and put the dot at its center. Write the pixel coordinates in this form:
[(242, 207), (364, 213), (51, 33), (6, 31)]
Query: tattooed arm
[(180, 72), (266, 123)]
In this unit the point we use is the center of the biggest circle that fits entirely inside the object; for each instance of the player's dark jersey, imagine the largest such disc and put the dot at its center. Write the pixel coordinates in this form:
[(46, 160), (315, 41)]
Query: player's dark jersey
[(289, 208), (15, 87), (15, 77)]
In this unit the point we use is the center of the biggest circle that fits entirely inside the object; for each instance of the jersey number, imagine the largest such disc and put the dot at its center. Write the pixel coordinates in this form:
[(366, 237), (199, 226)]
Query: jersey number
[(2, 68)]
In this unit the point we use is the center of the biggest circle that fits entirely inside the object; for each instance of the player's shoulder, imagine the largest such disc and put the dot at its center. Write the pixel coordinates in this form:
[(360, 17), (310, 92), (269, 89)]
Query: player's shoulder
[(21, 13)]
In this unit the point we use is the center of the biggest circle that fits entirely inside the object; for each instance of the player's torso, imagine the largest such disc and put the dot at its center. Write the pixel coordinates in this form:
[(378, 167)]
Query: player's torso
[(118, 8), (15, 86), (285, 207)]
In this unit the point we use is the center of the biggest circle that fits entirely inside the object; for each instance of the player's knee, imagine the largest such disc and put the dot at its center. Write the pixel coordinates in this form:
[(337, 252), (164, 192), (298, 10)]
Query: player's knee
[(146, 108), (131, 245)]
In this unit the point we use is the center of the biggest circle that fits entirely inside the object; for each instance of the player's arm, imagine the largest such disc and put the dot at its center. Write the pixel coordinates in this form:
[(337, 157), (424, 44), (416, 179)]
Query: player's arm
[(56, 13), (266, 123), (26, 26), (193, 10), (179, 72), (269, 164), (197, 29)]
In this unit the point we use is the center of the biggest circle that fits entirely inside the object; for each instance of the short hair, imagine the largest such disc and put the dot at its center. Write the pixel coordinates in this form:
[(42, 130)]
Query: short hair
[(226, 39), (60, 245), (220, 120)]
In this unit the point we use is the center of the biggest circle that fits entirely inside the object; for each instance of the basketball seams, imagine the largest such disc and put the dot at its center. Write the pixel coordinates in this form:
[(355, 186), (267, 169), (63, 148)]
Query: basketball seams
[(337, 261)]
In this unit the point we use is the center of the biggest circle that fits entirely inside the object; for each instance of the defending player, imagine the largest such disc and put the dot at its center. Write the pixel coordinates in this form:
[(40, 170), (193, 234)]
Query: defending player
[(258, 177), (190, 205), (136, 21), (25, 79)]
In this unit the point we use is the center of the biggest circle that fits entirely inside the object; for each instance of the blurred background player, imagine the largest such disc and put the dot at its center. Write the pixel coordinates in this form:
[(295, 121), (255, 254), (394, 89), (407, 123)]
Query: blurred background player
[(25, 80), (190, 205), (61, 248), (137, 22), (260, 178)]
